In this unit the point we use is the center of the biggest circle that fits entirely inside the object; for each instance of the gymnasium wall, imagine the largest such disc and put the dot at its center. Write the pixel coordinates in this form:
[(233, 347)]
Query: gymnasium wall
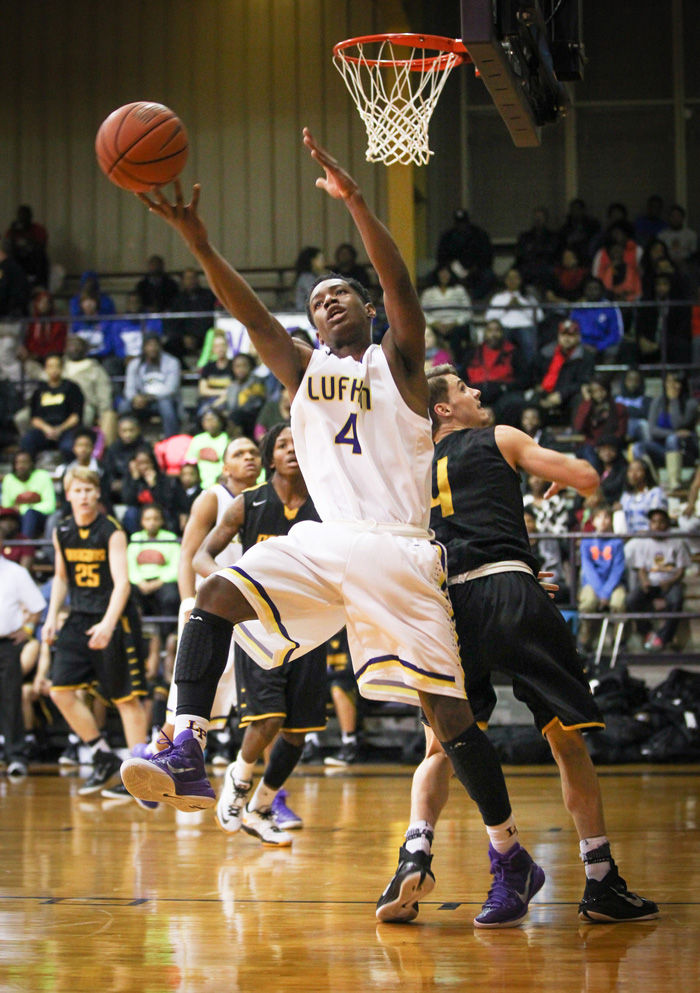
[(245, 75)]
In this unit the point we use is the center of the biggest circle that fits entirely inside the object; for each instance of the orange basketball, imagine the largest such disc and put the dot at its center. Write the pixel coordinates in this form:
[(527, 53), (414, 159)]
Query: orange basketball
[(142, 145)]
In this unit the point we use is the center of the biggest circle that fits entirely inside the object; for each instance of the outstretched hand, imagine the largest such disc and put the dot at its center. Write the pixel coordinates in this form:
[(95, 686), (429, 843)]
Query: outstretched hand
[(179, 215), (553, 489), (337, 182)]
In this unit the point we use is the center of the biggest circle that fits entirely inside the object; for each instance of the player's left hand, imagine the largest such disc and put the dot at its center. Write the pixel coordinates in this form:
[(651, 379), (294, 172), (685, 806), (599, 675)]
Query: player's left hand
[(550, 588), (553, 489), (337, 182), (100, 635)]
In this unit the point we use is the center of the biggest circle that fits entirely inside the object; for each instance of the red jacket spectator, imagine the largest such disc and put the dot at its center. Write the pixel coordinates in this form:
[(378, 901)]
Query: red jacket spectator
[(44, 337)]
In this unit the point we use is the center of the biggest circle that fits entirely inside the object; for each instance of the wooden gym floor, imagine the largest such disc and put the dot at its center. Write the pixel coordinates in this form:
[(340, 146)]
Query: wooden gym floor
[(103, 897)]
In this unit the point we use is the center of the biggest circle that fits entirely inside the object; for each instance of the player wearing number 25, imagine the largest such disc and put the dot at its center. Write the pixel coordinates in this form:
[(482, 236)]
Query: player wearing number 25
[(99, 646)]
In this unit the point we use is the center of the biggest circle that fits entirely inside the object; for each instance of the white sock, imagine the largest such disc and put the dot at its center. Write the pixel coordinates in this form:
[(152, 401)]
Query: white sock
[(99, 746), (312, 736), (419, 837), (601, 867), (194, 723), (503, 836), (263, 797), (242, 770), (349, 737)]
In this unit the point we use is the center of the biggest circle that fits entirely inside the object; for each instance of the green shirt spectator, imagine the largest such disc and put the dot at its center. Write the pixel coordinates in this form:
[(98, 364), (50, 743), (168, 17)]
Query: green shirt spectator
[(31, 492), (208, 448), (153, 557)]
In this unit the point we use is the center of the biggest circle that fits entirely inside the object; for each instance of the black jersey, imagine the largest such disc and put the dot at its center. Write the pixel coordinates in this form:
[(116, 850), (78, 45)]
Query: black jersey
[(477, 507), (267, 517), (86, 555)]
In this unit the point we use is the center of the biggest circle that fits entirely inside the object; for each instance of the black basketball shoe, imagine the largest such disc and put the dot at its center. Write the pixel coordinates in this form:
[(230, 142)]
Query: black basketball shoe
[(608, 901), (105, 771), (412, 881)]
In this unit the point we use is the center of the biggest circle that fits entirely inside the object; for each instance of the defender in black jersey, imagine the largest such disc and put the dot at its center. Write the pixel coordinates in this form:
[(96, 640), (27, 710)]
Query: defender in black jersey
[(99, 648), (289, 699), (506, 621)]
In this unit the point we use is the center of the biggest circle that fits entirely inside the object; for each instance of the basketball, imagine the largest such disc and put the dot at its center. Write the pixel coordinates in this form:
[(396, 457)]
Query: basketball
[(142, 145)]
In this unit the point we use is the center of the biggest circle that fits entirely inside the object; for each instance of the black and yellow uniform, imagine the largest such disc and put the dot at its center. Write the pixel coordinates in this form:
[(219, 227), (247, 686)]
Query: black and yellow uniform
[(504, 619), (295, 690), (117, 671)]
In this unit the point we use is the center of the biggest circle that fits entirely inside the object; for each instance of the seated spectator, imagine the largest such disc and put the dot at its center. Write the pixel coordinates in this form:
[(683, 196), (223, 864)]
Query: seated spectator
[(660, 565), (536, 251), (43, 336), (548, 552), (105, 304), (28, 241), (96, 333), (144, 485), (655, 260), (14, 285), (632, 396), (153, 386), (651, 223), (207, 449), (152, 556), (519, 314), (639, 496), (274, 411), (215, 376), (447, 310), (436, 352), (31, 492), (118, 455), (191, 483), (244, 398), (616, 216), (156, 289), (671, 425), (598, 416), (612, 466), (345, 264), (561, 369), (96, 387), (681, 241), (467, 250), (308, 267), (579, 231), (531, 424), (56, 409), (127, 334), (602, 575), (664, 330), (601, 326), (185, 335), (11, 530), (620, 277), (569, 276), (497, 369), (551, 514)]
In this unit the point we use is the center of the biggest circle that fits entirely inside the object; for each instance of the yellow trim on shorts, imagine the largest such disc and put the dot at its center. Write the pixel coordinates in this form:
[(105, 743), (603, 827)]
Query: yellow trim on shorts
[(125, 699), (571, 727), (321, 727), (260, 717), (77, 686)]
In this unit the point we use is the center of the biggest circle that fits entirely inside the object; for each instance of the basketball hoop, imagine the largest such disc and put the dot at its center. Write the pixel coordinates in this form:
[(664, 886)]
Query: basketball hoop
[(395, 82)]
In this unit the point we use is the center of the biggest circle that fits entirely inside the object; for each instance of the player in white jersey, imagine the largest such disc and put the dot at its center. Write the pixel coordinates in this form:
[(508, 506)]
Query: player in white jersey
[(363, 441)]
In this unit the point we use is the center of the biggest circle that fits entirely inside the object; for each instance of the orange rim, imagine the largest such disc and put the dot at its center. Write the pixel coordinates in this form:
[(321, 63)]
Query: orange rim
[(448, 48)]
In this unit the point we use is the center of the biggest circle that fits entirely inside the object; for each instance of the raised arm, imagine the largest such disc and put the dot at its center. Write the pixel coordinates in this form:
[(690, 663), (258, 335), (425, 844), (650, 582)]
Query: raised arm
[(406, 319), (520, 451), (271, 340)]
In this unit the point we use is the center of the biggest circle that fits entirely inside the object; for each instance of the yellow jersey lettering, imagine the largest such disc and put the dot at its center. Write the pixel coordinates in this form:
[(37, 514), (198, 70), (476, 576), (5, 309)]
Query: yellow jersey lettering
[(85, 554), (444, 498)]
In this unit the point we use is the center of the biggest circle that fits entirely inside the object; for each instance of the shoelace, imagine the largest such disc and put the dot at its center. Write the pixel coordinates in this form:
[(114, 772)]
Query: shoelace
[(240, 794), (500, 888)]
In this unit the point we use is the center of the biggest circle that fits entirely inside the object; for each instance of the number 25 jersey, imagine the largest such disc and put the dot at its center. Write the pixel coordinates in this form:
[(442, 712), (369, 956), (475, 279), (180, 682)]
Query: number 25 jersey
[(85, 553)]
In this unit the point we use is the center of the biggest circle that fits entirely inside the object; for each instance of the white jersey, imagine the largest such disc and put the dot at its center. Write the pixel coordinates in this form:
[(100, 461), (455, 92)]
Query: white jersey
[(363, 453), (233, 551)]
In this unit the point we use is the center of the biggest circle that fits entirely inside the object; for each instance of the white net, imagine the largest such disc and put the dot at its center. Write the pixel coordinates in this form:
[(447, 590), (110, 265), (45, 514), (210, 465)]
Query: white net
[(395, 89)]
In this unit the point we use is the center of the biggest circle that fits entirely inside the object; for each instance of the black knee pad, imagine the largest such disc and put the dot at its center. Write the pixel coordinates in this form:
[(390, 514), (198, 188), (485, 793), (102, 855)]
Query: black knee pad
[(205, 640)]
